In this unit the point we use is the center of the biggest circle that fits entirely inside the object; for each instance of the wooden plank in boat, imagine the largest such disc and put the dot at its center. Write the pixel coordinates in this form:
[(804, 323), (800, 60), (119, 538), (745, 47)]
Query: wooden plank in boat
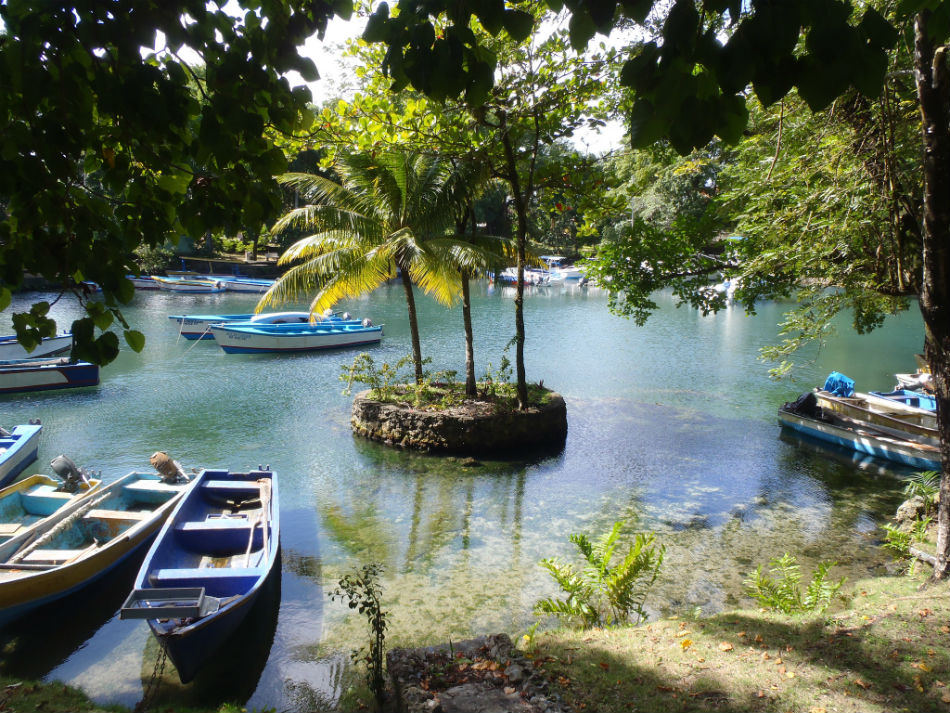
[(122, 515)]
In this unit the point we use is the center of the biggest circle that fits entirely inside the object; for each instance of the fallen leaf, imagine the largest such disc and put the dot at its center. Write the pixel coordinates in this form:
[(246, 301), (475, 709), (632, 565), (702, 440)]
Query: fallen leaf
[(761, 694), (945, 629), (701, 660), (758, 638), (686, 643), (945, 698), (918, 684), (683, 633), (604, 665), (665, 689), (781, 669), (922, 666), (509, 690), (765, 656), (924, 613), (740, 634), (862, 684), (892, 607), (725, 646), (790, 674), (778, 660), (817, 710), (563, 681)]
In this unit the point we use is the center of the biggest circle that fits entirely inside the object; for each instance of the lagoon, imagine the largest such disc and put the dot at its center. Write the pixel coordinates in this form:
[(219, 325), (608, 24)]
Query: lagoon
[(672, 429)]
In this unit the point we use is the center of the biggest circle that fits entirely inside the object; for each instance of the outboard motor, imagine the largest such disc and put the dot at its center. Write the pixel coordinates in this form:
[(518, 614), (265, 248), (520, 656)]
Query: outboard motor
[(345, 316), (367, 322), (71, 474)]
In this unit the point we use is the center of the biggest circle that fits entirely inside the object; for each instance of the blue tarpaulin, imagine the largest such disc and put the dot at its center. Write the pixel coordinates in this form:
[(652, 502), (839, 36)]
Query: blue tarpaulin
[(839, 384)]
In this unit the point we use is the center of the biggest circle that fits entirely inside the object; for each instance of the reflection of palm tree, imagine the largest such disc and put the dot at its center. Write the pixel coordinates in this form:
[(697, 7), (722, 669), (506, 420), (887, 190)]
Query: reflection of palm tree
[(386, 217)]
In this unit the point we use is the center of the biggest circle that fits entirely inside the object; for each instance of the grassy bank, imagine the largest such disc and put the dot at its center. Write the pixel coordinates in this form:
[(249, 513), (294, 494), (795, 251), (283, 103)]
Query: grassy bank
[(885, 649)]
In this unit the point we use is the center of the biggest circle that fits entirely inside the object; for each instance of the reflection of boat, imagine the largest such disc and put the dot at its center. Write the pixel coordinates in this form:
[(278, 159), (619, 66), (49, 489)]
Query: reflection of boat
[(807, 417), (44, 374), (25, 503), (17, 450), (260, 338), (890, 417), (196, 285), (82, 541), (197, 326), (10, 348), (203, 573)]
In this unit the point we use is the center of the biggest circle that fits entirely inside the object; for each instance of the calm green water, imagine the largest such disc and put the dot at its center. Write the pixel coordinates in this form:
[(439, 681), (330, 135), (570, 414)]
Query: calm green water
[(671, 428)]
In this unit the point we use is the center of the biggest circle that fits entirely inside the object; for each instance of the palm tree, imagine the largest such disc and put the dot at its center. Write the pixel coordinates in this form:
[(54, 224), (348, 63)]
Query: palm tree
[(386, 217)]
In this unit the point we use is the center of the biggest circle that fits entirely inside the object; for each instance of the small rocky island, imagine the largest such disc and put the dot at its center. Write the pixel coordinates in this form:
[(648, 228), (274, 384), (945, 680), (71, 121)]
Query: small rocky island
[(473, 427)]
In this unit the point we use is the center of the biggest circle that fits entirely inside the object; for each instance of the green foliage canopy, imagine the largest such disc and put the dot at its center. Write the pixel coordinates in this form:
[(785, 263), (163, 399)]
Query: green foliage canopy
[(106, 147)]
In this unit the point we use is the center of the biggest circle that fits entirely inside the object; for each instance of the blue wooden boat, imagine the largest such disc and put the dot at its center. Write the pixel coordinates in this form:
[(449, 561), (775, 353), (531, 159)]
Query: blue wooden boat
[(208, 564), (258, 339), (81, 542), (17, 450), (44, 374), (806, 417), (912, 399)]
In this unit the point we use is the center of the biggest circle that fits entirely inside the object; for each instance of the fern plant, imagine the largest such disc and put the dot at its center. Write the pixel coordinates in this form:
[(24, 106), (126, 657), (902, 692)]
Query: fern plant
[(926, 484), (602, 592), (782, 590)]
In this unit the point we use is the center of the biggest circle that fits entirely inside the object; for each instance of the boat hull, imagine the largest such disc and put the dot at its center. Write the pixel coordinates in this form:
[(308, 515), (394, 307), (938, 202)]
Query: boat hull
[(42, 375), (10, 348), (202, 546), (240, 284), (22, 590), (198, 326), (302, 338), (864, 441), (189, 285), (17, 451)]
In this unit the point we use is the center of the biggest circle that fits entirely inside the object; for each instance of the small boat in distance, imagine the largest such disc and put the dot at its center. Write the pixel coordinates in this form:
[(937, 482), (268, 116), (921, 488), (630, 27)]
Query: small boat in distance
[(10, 348), (248, 284), (83, 541), (25, 503), (142, 282), (208, 564), (44, 374), (264, 338), (18, 449), (194, 285)]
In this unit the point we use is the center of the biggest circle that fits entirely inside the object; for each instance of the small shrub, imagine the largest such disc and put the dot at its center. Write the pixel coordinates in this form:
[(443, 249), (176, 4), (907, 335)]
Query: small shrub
[(783, 592), (601, 593), (897, 541), (362, 591), (383, 382)]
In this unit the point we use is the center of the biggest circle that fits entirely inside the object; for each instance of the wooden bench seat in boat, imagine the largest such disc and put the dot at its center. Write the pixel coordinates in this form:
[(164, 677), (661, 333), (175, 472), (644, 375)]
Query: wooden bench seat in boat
[(55, 557), (9, 529), (237, 487), (151, 491), (120, 515), (217, 581), (220, 535)]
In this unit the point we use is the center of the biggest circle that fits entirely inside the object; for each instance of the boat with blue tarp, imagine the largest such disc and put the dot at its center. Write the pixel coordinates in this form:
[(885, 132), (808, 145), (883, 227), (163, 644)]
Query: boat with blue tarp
[(208, 564)]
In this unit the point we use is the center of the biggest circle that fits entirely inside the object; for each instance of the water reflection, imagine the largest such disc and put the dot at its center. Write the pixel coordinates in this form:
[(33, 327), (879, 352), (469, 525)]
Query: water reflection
[(672, 429)]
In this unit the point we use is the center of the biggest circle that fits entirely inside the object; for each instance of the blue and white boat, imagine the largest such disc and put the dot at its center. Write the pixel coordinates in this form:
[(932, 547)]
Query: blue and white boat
[(18, 449), (208, 564), (265, 338), (44, 374), (247, 284), (910, 399), (559, 271), (10, 348), (805, 416), (193, 285), (198, 326)]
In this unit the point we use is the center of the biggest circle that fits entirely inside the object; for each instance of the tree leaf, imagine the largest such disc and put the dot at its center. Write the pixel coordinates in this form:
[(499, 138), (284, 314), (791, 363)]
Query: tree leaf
[(135, 339)]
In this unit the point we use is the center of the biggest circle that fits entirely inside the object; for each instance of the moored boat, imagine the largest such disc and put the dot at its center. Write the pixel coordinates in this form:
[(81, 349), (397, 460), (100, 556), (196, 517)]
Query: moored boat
[(10, 348), (24, 504), (18, 449), (890, 417), (44, 374), (208, 564), (913, 400), (197, 326), (142, 282), (195, 285), (248, 284), (82, 541), (256, 339), (807, 417)]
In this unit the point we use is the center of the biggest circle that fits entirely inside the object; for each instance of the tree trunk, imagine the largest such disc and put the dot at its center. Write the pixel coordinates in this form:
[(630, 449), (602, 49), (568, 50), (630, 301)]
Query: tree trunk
[(933, 92), (521, 236), (470, 388), (413, 323)]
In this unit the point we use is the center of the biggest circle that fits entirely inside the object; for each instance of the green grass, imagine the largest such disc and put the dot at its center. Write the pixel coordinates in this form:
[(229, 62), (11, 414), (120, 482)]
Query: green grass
[(885, 651)]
